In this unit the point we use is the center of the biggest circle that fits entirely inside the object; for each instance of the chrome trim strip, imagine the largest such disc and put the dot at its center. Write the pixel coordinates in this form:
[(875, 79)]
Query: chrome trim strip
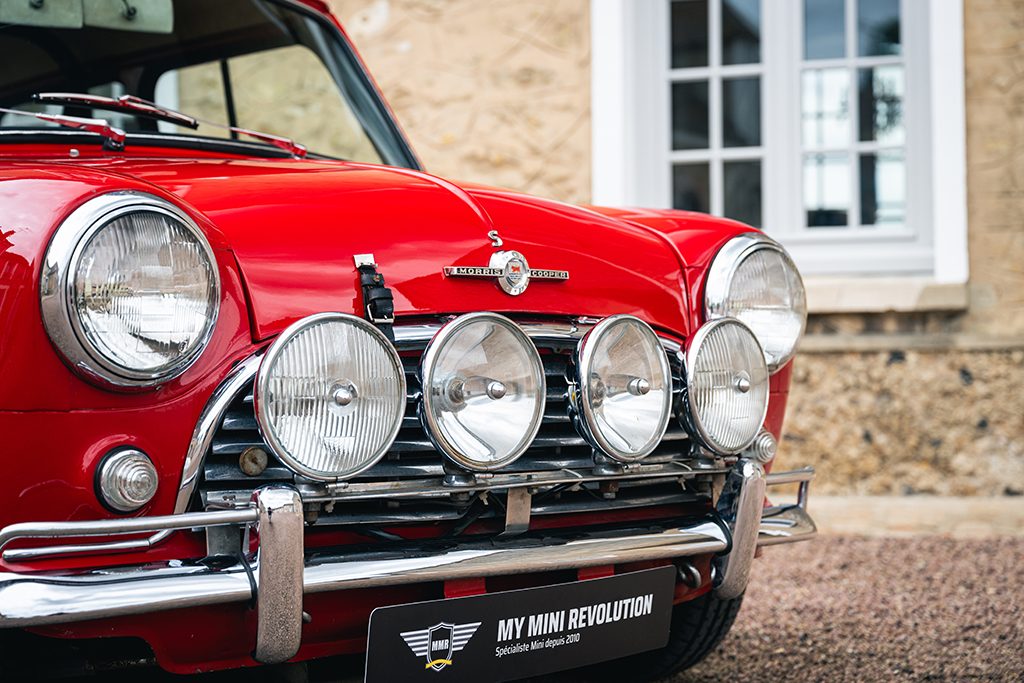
[(28, 554), (118, 527), (432, 488), (788, 523), (208, 423), (802, 476), (785, 524), (39, 599)]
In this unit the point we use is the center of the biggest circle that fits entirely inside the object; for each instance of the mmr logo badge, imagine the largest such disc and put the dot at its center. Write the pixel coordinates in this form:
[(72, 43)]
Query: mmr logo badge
[(439, 642)]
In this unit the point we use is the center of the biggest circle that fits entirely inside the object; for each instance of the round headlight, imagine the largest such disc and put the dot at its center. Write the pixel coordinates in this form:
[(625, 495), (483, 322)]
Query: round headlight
[(623, 388), (483, 391), (330, 396), (754, 280), (726, 385), (130, 290)]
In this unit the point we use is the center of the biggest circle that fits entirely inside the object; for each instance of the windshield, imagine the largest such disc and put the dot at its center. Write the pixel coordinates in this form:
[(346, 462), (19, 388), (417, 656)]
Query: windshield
[(266, 65)]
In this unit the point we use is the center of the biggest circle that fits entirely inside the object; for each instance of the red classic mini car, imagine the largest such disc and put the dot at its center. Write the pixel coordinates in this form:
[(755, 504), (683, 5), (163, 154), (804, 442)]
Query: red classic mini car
[(263, 405)]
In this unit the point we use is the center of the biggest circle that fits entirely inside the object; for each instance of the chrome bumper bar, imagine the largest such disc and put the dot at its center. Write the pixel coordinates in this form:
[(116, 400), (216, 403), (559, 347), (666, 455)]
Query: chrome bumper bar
[(282, 570)]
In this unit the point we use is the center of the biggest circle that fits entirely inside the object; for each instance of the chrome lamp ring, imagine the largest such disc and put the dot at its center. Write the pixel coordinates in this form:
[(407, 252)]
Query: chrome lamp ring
[(583, 400), (261, 390), (428, 366), (692, 410), (724, 267), (56, 289)]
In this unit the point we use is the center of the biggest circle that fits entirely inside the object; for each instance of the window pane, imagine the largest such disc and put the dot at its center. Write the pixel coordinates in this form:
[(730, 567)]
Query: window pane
[(742, 191), (741, 112), (741, 31), (826, 108), (689, 33), (327, 124), (200, 91), (878, 27), (690, 115), (881, 104), (824, 29), (883, 188), (827, 189), (691, 187)]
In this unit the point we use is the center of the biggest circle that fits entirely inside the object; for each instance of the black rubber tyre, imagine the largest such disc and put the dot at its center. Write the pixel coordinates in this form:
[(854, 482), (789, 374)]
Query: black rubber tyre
[(698, 626)]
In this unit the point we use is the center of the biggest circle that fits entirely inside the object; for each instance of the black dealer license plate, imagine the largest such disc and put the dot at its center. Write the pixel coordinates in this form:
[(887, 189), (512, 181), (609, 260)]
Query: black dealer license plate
[(504, 636)]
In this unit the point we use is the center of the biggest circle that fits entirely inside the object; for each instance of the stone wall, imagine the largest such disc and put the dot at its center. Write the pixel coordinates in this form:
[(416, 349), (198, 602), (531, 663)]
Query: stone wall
[(903, 422), (494, 91)]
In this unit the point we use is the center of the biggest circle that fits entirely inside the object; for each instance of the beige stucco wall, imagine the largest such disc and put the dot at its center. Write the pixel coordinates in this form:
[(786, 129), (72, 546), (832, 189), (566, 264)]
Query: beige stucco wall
[(491, 91), (994, 45)]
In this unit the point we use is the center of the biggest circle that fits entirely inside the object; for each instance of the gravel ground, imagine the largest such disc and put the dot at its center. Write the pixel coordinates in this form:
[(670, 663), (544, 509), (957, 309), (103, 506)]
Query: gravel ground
[(873, 609), (842, 608)]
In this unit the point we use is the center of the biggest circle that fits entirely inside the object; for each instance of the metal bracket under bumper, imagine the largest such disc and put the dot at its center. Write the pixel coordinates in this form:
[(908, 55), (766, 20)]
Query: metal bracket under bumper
[(283, 571)]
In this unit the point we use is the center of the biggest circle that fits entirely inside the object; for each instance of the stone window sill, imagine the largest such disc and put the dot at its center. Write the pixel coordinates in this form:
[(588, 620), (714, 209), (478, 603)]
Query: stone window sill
[(883, 295)]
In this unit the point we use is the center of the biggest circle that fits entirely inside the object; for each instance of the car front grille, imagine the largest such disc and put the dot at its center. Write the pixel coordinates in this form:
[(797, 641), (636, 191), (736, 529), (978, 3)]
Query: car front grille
[(558, 447)]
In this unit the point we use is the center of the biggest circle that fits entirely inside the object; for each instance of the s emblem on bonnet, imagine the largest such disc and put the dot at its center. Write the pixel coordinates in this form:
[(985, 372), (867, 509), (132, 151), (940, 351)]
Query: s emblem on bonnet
[(511, 270)]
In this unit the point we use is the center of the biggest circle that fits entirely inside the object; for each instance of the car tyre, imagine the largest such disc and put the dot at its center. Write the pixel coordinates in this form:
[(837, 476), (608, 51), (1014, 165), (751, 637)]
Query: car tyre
[(696, 629)]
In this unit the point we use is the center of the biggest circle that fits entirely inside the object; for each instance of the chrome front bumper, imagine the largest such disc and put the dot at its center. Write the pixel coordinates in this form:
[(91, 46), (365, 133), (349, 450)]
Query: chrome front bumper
[(282, 571)]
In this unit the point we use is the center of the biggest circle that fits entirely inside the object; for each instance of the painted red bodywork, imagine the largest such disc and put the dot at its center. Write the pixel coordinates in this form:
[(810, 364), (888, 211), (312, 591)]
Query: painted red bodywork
[(284, 233)]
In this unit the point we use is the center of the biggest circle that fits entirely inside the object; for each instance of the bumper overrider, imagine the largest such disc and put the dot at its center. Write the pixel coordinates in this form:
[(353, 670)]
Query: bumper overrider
[(281, 571)]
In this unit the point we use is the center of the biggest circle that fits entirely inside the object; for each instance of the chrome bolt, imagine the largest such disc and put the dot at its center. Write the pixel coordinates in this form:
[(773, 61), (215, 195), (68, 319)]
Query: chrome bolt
[(344, 394), (638, 386), (496, 390)]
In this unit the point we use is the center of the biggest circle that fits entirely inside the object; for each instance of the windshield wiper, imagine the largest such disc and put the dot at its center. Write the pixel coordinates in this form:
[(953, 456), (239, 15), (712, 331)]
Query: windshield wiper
[(113, 137), (125, 103), (141, 107)]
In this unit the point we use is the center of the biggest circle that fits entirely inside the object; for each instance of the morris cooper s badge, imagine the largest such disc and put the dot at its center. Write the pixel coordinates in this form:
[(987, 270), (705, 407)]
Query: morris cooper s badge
[(511, 270)]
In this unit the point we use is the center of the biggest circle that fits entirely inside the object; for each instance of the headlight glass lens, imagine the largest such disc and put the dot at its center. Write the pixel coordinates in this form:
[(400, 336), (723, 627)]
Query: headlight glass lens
[(144, 292), (754, 280), (625, 388), (727, 385), (330, 396), (483, 391)]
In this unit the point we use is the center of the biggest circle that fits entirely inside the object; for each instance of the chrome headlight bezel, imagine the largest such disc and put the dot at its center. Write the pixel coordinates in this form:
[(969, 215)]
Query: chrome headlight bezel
[(428, 364), (694, 424), (61, 317), (583, 400), (720, 276), (261, 390)]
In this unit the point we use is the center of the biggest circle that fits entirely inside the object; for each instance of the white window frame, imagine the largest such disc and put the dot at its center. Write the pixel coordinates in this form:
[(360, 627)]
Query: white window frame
[(631, 162)]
